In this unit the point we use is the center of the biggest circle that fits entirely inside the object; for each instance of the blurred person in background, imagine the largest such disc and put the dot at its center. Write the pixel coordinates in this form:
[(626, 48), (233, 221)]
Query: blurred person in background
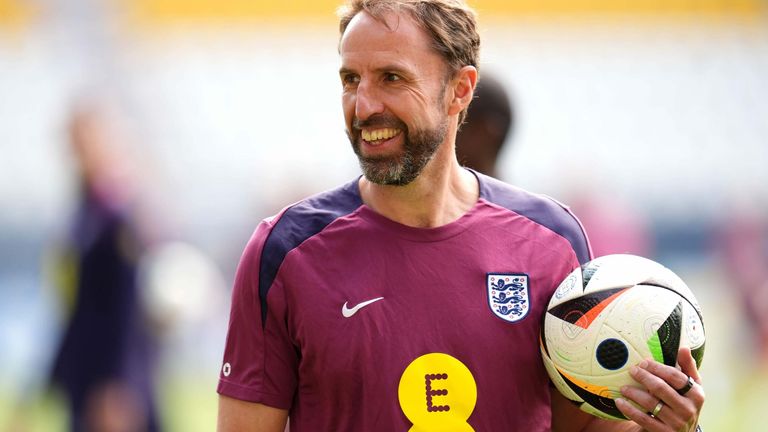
[(613, 225), (490, 122), (355, 309), (104, 362), (743, 247)]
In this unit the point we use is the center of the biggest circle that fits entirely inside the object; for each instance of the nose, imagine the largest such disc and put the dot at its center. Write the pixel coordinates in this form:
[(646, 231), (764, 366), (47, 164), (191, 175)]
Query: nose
[(367, 101)]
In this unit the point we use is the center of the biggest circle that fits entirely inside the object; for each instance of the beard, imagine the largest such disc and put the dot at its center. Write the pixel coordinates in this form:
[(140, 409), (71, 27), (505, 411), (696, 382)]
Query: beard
[(419, 146)]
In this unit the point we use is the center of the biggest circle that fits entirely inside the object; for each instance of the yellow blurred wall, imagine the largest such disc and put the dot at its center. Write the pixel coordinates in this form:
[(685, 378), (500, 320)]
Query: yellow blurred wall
[(17, 13), (174, 10), (14, 13)]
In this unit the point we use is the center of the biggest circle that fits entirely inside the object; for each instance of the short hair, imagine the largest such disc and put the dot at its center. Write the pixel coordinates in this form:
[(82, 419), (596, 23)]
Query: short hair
[(451, 24)]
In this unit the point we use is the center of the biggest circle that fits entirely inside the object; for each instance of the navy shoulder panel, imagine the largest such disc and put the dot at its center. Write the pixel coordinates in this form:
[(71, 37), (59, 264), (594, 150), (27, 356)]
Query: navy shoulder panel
[(298, 223), (540, 209)]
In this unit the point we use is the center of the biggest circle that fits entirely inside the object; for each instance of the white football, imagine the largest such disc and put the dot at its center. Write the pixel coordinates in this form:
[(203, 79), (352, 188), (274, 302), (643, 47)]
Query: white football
[(610, 314)]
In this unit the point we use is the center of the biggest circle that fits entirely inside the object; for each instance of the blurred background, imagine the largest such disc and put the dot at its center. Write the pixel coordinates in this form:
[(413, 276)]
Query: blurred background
[(176, 125)]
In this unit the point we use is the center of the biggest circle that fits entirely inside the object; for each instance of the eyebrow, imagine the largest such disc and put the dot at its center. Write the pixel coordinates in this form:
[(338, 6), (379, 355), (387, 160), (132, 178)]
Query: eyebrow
[(344, 71), (387, 68)]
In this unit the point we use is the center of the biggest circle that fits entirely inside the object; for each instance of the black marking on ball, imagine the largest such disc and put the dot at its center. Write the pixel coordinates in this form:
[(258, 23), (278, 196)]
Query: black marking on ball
[(587, 271), (612, 354), (698, 354), (602, 403), (669, 335), (574, 309)]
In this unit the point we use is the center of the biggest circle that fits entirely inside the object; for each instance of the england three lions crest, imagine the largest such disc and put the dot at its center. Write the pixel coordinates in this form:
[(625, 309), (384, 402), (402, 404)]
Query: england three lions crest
[(508, 295)]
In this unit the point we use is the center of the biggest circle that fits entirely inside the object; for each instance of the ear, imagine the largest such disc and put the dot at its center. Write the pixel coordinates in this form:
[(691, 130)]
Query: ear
[(463, 89)]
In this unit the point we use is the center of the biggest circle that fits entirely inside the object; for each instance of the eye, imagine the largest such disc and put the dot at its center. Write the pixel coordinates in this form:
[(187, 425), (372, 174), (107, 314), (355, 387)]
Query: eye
[(391, 77), (350, 79)]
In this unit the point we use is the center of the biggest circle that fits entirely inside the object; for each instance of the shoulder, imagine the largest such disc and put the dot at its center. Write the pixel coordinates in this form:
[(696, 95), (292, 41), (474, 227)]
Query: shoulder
[(302, 220), (276, 236), (286, 230), (540, 209)]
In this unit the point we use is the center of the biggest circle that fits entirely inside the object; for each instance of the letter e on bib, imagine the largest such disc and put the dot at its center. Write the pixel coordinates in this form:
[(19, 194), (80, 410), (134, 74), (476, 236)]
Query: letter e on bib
[(437, 392)]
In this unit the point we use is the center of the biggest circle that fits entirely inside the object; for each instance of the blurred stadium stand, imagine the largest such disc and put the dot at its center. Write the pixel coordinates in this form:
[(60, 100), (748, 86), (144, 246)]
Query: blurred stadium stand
[(235, 106)]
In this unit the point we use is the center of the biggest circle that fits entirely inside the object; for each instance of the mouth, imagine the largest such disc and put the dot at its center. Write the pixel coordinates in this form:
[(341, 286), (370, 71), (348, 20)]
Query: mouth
[(376, 137)]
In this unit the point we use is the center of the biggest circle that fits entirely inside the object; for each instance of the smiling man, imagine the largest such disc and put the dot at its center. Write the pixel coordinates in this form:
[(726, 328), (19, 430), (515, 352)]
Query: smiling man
[(411, 298), (403, 79)]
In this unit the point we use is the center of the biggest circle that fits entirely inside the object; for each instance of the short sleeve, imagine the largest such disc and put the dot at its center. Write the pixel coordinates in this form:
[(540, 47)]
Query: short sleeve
[(260, 361)]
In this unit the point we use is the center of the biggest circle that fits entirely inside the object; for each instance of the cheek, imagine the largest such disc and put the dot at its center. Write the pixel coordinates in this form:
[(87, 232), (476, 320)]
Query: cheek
[(425, 107), (348, 108)]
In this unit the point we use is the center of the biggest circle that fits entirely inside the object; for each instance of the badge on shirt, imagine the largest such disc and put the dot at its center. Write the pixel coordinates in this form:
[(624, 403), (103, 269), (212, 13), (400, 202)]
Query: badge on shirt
[(508, 295)]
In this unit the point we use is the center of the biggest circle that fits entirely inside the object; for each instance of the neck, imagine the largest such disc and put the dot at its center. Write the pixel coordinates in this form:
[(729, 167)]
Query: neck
[(441, 194)]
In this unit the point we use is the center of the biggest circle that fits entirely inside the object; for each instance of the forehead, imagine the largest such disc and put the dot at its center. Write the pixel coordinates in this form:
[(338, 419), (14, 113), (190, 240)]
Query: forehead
[(368, 40)]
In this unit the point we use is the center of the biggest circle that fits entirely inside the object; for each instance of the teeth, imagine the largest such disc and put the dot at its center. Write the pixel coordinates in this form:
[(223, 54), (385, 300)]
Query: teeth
[(379, 134)]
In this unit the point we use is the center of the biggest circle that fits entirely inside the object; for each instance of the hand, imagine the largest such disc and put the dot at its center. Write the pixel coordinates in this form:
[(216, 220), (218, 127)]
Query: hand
[(677, 412)]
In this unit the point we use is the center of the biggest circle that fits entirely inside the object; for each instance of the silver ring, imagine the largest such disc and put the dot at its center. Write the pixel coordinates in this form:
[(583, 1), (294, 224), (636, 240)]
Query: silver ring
[(657, 409), (686, 388)]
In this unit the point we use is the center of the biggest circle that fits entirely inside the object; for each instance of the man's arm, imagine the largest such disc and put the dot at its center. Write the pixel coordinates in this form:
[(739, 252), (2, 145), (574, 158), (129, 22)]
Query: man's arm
[(567, 417), (241, 416)]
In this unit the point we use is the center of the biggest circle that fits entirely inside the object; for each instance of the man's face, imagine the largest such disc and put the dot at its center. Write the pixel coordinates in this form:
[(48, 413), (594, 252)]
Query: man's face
[(393, 98)]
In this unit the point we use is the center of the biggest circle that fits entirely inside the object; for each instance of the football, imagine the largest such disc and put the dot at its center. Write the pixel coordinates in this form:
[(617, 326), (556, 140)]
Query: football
[(610, 314)]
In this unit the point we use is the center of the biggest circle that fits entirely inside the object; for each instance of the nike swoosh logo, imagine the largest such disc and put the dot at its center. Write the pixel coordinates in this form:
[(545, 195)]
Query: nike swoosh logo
[(347, 312)]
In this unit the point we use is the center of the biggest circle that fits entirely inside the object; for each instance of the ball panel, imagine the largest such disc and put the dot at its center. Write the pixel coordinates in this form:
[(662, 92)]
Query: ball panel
[(620, 270), (613, 377), (608, 384), (698, 355), (600, 398), (568, 344), (589, 409), (654, 346), (569, 288), (573, 348), (669, 336), (639, 314), (583, 310), (558, 381), (693, 335), (587, 271)]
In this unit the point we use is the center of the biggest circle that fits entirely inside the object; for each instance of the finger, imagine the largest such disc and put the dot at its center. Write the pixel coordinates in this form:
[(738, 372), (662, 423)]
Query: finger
[(648, 402), (641, 397), (645, 421), (685, 407), (674, 377), (688, 364), (654, 377), (646, 372)]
